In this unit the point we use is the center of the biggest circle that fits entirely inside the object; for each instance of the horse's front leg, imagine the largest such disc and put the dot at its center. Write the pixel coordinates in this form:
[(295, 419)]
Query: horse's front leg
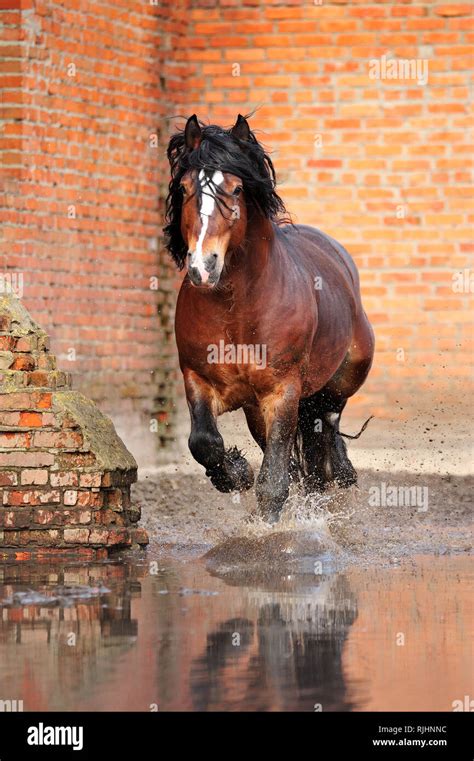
[(280, 411), (226, 468)]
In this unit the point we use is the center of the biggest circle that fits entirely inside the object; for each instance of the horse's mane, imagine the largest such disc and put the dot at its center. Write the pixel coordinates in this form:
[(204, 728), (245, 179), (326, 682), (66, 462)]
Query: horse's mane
[(219, 150)]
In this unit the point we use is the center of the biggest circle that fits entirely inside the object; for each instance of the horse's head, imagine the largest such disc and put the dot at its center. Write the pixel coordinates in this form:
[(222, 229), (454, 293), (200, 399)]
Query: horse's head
[(213, 214), (218, 178)]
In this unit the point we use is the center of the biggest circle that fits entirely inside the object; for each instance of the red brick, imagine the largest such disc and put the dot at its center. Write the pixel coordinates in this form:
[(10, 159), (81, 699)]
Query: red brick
[(10, 419), (64, 478), (46, 517), (25, 344), (99, 536), (109, 518), (453, 10), (70, 497), (15, 401), (57, 440), (118, 536), (24, 401), (90, 479), (114, 499), (8, 478), (75, 517), (6, 343), (90, 499), (23, 362), (26, 459), (12, 440), (39, 378), (76, 535), (15, 518), (35, 476), (42, 401), (30, 497), (30, 419), (139, 536)]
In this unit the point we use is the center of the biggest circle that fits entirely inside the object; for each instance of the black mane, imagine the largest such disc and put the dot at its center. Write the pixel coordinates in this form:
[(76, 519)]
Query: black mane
[(219, 150)]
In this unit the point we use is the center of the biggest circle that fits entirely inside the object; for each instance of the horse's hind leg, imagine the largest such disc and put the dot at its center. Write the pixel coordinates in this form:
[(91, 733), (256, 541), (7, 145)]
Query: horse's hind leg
[(323, 449), (227, 469)]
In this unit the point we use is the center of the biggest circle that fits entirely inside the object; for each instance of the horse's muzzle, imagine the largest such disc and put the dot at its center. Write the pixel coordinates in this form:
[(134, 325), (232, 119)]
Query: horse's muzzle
[(204, 271)]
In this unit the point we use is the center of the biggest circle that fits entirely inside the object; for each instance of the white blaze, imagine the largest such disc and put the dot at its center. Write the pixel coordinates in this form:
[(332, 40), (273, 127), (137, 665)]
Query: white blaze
[(208, 202)]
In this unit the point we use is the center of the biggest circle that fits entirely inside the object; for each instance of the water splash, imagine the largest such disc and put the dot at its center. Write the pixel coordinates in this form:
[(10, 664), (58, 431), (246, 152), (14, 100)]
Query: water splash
[(308, 530)]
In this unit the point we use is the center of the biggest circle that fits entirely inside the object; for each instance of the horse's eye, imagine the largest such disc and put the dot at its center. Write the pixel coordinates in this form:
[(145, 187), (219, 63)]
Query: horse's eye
[(237, 191), (182, 188)]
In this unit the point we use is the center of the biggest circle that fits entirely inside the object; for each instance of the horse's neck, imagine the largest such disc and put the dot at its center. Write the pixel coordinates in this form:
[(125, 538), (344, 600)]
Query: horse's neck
[(255, 254)]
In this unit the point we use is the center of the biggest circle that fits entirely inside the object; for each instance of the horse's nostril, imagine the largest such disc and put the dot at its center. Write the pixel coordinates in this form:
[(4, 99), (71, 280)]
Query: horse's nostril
[(195, 275), (214, 256)]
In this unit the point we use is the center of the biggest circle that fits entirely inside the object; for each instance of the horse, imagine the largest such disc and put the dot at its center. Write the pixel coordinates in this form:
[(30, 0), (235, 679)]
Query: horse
[(268, 319)]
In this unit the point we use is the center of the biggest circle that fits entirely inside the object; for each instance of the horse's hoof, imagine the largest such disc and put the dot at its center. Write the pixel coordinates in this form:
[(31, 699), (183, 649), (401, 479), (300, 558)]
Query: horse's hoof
[(220, 480), (235, 474)]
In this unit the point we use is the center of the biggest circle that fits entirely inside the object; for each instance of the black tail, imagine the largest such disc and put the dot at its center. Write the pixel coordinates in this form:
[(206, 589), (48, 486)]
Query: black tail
[(356, 436)]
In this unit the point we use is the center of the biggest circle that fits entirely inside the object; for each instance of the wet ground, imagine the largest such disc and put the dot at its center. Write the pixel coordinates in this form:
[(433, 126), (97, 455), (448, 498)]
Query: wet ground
[(386, 517), (350, 603)]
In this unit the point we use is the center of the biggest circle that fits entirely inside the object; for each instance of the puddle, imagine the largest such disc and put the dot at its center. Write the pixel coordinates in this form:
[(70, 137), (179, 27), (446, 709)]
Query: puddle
[(172, 631), (344, 605)]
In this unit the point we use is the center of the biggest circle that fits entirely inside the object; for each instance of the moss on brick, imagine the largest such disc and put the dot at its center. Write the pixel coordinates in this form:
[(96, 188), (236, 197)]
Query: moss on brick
[(21, 321), (98, 431), (42, 452)]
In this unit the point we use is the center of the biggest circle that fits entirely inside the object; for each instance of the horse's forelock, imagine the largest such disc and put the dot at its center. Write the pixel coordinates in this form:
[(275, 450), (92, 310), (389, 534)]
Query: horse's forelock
[(219, 151)]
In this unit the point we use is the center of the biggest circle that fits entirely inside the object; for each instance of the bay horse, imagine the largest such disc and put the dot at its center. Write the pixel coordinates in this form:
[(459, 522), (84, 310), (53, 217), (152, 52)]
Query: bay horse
[(269, 318)]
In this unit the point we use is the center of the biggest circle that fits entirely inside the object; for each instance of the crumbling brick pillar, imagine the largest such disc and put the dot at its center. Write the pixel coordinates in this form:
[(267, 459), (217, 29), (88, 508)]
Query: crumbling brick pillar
[(65, 475)]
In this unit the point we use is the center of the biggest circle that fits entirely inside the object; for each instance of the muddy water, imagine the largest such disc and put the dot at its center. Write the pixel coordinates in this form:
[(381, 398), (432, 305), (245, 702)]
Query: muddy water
[(173, 630), (344, 605)]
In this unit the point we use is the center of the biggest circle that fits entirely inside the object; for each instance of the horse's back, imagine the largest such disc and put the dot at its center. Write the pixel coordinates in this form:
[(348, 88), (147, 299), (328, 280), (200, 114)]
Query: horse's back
[(343, 333)]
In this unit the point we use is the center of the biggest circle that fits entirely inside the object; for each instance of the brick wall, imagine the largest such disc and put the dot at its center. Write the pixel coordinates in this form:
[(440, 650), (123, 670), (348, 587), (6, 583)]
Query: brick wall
[(382, 165), (86, 89)]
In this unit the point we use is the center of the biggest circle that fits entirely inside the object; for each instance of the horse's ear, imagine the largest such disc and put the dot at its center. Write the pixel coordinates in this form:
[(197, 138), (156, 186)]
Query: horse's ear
[(192, 133), (241, 129)]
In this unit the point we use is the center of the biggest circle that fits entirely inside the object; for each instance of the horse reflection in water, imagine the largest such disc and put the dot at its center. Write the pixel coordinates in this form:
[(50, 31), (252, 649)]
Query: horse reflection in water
[(187, 638), (287, 658)]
